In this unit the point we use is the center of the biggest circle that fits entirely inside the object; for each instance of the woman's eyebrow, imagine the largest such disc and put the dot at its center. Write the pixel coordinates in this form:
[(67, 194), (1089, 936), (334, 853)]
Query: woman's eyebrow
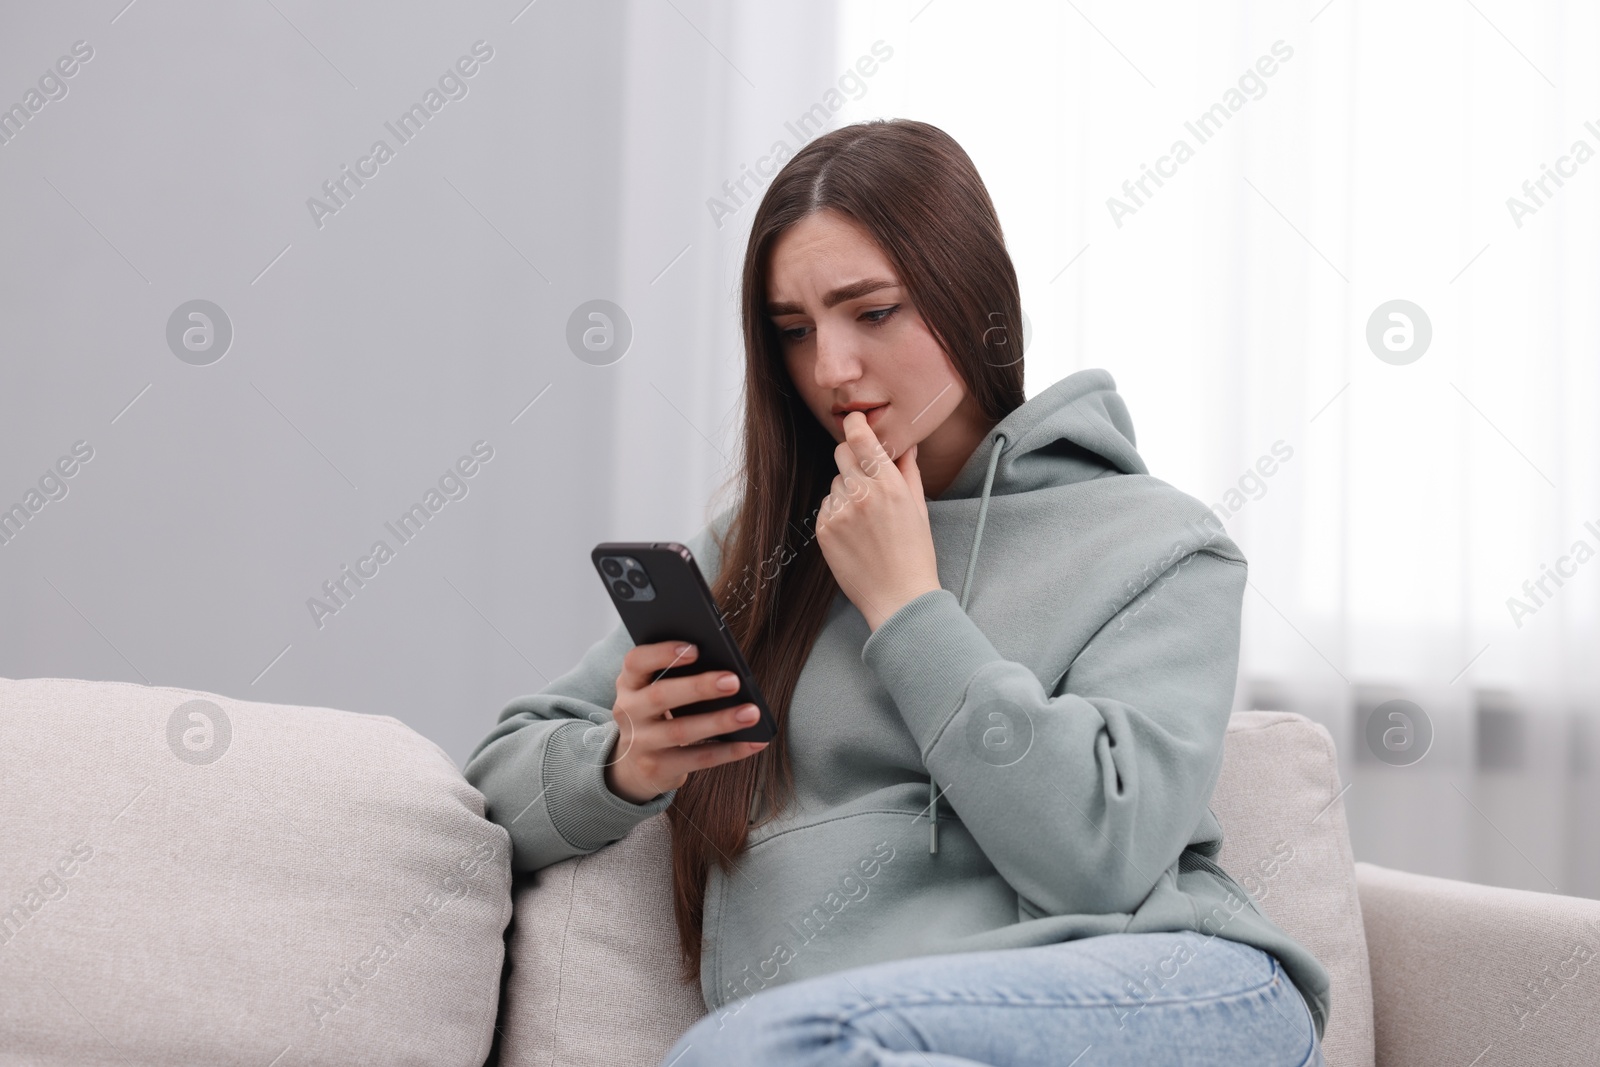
[(836, 296)]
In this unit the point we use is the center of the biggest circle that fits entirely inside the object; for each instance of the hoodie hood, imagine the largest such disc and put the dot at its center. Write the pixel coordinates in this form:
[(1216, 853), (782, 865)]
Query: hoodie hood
[(1074, 431), (1077, 429)]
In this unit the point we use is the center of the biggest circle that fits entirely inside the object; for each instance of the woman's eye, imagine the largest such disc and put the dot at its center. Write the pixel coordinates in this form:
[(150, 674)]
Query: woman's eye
[(882, 314), (877, 317)]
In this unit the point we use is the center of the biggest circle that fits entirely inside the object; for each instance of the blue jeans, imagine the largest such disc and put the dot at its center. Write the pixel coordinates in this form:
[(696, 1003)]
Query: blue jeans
[(1134, 999)]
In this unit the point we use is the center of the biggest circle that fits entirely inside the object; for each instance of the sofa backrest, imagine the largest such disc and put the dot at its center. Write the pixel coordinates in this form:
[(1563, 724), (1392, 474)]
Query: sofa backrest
[(593, 937), (191, 878), (187, 878)]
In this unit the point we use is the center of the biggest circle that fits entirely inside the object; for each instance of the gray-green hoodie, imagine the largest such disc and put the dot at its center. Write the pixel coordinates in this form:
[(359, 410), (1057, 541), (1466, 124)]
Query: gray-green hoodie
[(1069, 705)]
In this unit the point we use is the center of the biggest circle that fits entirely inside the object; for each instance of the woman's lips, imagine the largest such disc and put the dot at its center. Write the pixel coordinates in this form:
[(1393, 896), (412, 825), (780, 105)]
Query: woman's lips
[(873, 414)]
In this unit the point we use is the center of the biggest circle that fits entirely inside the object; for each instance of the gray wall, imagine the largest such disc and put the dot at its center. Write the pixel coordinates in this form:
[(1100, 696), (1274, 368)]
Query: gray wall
[(371, 352)]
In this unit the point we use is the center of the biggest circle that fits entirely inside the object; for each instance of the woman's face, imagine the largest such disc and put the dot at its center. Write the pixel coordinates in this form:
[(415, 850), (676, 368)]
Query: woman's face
[(852, 338)]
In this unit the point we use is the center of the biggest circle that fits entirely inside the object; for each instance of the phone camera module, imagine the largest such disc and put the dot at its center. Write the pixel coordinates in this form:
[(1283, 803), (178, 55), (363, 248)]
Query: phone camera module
[(626, 578)]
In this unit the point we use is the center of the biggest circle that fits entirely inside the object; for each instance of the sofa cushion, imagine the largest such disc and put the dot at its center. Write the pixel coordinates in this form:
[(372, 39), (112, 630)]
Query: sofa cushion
[(1285, 841), (191, 879), (594, 951), (593, 960)]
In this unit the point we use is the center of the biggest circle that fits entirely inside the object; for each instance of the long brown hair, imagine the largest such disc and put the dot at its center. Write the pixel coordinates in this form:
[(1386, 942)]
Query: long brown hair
[(913, 188)]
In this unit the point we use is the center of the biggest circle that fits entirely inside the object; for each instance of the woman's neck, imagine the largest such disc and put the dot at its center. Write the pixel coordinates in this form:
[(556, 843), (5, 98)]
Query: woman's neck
[(942, 454)]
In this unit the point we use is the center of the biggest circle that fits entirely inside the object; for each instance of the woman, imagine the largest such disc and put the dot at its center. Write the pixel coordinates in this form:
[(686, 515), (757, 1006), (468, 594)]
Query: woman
[(1052, 734)]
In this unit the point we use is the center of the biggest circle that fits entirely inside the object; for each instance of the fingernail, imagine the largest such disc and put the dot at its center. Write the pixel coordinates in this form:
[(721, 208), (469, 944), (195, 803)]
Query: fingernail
[(685, 650), (728, 683), (747, 714)]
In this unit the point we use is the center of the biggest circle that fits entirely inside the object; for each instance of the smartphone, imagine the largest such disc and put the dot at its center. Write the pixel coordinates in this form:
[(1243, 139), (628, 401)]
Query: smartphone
[(662, 596)]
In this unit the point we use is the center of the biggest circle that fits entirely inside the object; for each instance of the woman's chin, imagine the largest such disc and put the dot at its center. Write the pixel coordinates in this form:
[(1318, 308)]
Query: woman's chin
[(892, 444)]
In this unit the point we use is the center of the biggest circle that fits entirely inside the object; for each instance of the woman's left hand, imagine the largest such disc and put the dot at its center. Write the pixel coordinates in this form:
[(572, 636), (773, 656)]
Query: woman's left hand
[(873, 525)]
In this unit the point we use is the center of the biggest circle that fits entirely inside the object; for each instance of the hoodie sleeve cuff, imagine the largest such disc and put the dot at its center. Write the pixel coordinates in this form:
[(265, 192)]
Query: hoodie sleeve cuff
[(925, 654), (583, 810)]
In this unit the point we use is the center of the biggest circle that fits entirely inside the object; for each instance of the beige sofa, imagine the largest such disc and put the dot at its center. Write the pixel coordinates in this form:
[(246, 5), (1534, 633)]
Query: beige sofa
[(192, 879)]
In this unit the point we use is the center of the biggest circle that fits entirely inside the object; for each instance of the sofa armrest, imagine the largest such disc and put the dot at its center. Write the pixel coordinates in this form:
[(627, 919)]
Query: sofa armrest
[(1474, 974)]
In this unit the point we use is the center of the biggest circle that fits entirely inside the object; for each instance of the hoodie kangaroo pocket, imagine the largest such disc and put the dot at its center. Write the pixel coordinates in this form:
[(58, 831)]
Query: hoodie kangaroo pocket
[(845, 892)]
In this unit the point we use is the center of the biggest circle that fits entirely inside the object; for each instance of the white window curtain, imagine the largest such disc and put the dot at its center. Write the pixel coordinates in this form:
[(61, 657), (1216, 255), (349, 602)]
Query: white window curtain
[(1404, 521)]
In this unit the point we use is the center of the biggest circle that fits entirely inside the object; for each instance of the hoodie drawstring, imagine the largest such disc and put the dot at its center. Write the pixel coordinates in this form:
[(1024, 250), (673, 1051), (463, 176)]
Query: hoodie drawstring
[(997, 445)]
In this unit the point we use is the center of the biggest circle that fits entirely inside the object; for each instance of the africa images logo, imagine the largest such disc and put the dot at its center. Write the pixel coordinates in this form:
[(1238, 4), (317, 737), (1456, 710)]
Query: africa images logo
[(1202, 128), (52, 86), (342, 188), (737, 192), (199, 732)]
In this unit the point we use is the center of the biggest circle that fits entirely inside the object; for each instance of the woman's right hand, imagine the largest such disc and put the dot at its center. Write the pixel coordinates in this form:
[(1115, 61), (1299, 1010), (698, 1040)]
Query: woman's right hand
[(655, 752)]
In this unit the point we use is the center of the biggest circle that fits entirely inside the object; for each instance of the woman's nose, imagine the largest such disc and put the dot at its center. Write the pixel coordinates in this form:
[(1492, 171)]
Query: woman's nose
[(837, 363)]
